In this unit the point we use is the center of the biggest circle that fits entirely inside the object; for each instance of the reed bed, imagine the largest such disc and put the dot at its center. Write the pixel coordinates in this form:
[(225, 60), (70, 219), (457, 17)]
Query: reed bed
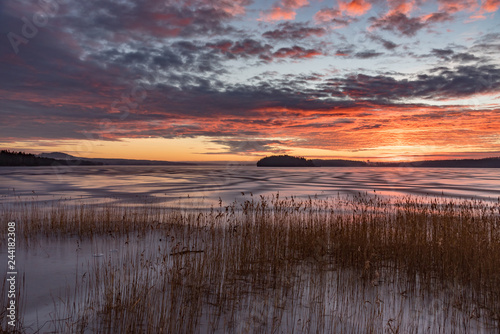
[(281, 265)]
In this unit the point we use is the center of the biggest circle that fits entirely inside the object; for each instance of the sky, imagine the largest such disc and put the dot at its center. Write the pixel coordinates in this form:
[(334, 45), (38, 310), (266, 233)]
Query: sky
[(237, 80)]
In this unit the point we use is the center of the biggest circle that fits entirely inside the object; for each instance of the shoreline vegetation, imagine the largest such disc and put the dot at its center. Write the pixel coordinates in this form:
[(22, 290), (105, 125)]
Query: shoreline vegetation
[(352, 264), (290, 161)]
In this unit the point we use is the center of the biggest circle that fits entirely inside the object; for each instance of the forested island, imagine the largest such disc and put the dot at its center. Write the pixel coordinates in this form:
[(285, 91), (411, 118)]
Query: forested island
[(284, 161), (290, 161)]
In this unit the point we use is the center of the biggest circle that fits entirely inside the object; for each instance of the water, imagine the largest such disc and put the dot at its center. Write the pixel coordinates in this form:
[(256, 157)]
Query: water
[(51, 266), (204, 185)]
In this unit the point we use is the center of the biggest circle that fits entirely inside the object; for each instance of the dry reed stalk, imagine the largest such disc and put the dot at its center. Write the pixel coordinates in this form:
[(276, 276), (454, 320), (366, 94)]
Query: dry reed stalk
[(285, 254)]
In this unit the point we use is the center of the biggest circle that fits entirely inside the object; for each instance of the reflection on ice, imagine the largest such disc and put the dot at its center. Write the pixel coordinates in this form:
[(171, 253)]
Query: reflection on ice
[(189, 186)]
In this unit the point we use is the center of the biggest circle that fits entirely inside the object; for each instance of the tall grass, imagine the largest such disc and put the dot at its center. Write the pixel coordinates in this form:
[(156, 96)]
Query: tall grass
[(272, 264)]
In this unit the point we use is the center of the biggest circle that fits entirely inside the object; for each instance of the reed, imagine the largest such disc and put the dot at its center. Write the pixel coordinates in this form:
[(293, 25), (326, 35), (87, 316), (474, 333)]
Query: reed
[(271, 264)]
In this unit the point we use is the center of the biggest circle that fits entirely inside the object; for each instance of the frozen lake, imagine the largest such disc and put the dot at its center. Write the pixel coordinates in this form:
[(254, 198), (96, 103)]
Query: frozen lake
[(199, 185), (52, 266)]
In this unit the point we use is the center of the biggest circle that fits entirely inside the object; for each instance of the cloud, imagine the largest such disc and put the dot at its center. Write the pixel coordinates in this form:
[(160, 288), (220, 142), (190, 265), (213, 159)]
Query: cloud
[(465, 57), (283, 10), (398, 18), (453, 6), (487, 6), (385, 43), (232, 7), (249, 47), (488, 44), (294, 4), (443, 53), (250, 146), (292, 31), (439, 84), (252, 48), (368, 127), (354, 7), (223, 45), (333, 18), (296, 52), (345, 52), (450, 55), (278, 14), (327, 15), (437, 17), (400, 6), (400, 23), (490, 6), (367, 54), (108, 19)]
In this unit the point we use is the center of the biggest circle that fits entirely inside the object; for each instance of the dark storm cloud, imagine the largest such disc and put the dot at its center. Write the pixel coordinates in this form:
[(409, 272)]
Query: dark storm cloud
[(293, 31)]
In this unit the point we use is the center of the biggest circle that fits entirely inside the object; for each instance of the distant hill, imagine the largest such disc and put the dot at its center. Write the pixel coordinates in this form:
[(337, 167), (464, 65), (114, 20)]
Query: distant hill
[(57, 155), (105, 161), (284, 161), (10, 158)]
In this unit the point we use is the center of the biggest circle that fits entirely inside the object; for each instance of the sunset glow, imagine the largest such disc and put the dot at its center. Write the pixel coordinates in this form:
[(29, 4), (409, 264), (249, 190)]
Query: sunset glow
[(215, 80)]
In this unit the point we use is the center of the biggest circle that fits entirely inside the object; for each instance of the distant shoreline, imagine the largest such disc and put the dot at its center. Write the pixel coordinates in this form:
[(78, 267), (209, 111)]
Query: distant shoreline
[(21, 159), (289, 161)]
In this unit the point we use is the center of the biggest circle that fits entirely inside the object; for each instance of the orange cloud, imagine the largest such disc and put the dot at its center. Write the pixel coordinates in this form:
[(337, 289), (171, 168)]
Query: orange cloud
[(296, 52), (326, 15), (285, 10), (400, 6), (355, 7), (278, 14), (453, 6), (295, 4), (490, 5)]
